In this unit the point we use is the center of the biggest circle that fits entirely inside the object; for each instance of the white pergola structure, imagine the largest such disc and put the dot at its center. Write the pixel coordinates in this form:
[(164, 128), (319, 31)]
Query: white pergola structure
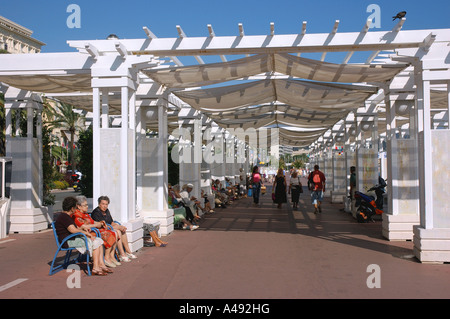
[(311, 102)]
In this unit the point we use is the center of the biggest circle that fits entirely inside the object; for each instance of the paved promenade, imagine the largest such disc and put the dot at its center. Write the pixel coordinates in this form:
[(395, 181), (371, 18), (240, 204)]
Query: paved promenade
[(241, 252)]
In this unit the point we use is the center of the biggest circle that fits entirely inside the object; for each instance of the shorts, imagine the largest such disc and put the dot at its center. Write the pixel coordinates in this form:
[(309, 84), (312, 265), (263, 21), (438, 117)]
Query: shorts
[(179, 215), (316, 196), (80, 245)]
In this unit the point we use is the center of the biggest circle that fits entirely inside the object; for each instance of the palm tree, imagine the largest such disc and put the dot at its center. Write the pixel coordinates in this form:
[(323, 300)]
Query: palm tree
[(64, 118)]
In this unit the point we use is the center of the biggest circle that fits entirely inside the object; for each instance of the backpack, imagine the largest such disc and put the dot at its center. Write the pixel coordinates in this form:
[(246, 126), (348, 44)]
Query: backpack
[(313, 180), (316, 178)]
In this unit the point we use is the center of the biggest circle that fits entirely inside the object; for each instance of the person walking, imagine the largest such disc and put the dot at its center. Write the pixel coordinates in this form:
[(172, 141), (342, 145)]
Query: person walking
[(316, 183), (279, 188), (295, 186), (256, 185)]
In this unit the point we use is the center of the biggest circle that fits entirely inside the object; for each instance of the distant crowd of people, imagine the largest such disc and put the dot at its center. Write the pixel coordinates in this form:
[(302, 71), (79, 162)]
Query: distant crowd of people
[(189, 210), (280, 187)]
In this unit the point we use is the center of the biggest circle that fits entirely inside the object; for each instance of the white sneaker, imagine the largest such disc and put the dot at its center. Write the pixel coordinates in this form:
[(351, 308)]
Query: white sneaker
[(125, 259), (132, 256), (194, 227)]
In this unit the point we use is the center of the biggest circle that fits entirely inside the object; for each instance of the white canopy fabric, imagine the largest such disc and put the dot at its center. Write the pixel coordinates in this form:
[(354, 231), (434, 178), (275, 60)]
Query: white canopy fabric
[(212, 73), (281, 110), (297, 93), (301, 134), (276, 119), (44, 83), (315, 100), (296, 142), (305, 138), (330, 72), (295, 103), (207, 74)]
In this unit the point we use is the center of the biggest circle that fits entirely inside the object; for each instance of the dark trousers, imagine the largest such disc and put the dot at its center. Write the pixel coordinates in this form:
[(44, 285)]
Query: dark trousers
[(256, 189)]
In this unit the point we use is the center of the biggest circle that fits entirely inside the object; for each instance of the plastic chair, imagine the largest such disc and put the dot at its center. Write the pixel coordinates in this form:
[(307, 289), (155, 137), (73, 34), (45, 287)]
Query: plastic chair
[(67, 261)]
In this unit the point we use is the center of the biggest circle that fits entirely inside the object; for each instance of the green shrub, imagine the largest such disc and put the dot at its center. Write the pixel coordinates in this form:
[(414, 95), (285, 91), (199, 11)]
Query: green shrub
[(85, 162), (60, 184)]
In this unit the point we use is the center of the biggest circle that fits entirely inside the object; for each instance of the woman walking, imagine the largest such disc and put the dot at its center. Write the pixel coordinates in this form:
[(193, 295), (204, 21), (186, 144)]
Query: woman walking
[(256, 185), (295, 186), (279, 188)]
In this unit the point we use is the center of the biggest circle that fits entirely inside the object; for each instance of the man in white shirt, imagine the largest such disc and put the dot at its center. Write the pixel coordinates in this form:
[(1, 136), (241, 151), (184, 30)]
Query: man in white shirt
[(189, 202)]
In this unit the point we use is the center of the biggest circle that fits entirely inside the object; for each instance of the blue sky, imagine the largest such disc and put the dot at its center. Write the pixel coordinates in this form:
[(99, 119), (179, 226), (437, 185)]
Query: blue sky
[(99, 18)]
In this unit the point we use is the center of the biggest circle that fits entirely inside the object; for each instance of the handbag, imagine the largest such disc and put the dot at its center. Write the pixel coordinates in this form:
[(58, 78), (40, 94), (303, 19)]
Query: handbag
[(273, 196), (249, 194), (300, 186)]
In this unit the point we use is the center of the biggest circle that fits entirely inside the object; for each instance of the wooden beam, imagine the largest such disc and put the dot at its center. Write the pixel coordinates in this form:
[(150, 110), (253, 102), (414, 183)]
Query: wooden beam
[(303, 28), (92, 50), (302, 33), (182, 35), (361, 35), (121, 49), (428, 41), (212, 35), (372, 56), (283, 43), (335, 27), (211, 31), (151, 35), (328, 39), (399, 25), (241, 29)]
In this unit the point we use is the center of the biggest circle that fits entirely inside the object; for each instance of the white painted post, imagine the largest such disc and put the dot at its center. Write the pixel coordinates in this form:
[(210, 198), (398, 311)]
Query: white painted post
[(124, 154), (432, 236), (402, 212), (131, 138), (96, 152), (105, 108), (162, 148)]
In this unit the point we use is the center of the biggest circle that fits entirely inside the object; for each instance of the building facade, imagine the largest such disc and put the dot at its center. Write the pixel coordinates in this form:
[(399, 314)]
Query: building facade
[(15, 38)]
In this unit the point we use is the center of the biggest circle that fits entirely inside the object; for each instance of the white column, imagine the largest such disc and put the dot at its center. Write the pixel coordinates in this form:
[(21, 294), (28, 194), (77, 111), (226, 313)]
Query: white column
[(432, 236), (124, 154), (218, 158), (17, 115), (96, 149), (30, 115), (155, 173), (105, 109), (132, 155), (8, 129), (339, 176), (27, 215), (40, 152), (190, 162), (366, 153), (402, 212), (162, 147), (327, 169)]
